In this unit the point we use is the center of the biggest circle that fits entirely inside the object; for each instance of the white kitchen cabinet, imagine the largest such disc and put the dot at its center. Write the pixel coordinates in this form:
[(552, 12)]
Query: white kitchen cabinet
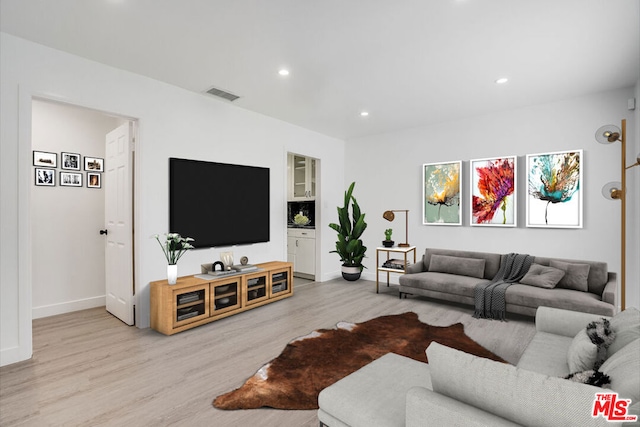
[(302, 178), (301, 251)]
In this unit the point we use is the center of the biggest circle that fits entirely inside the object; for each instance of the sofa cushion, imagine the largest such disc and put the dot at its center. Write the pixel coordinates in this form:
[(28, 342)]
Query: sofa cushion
[(492, 260), (542, 276), (582, 354), (522, 396), (623, 369), (375, 395), (441, 282), (575, 275), (567, 299), (626, 325), (472, 267), (547, 354)]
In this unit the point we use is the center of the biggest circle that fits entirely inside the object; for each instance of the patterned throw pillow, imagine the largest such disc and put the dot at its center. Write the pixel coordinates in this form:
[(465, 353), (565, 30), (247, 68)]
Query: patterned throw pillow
[(591, 377)]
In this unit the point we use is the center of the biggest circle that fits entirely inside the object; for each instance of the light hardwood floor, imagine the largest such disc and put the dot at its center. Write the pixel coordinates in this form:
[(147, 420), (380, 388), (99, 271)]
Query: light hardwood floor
[(89, 369)]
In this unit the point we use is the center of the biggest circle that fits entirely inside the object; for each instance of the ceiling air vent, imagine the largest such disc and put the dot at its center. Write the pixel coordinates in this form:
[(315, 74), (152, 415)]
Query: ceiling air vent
[(222, 94)]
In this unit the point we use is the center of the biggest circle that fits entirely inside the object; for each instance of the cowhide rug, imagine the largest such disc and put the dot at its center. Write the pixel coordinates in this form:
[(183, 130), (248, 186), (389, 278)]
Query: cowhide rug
[(308, 364)]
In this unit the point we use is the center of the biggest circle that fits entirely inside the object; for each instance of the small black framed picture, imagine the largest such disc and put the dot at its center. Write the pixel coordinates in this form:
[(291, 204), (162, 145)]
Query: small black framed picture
[(70, 161), (45, 177), (45, 159), (93, 164), (70, 179), (94, 180)]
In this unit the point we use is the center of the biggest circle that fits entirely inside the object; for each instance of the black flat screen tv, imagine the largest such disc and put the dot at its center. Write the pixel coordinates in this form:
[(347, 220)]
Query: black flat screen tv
[(218, 204)]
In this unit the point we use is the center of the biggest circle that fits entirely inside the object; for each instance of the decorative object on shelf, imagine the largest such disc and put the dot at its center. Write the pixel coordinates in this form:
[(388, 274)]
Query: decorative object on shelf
[(618, 191), (174, 247), (301, 219), (244, 260), (387, 242), (493, 192), (554, 199), (390, 216), (349, 245), (227, 260), (172, 273), (441, 189)]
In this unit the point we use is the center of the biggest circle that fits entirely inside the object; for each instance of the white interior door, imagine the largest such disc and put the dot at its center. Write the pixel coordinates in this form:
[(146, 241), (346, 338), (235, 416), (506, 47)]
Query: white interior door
[(119, 218)]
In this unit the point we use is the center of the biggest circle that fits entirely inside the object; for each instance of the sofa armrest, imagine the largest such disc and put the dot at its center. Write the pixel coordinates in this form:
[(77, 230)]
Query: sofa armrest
[(563, 322), (610, 290), (427, 408), (418, 267)]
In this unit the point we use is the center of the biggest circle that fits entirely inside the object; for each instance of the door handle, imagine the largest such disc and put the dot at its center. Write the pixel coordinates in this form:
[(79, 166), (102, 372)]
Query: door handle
[(104, 232)]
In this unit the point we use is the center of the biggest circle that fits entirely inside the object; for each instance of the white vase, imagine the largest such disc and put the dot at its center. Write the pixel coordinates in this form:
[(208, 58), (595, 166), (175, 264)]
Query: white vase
[(172, 274)]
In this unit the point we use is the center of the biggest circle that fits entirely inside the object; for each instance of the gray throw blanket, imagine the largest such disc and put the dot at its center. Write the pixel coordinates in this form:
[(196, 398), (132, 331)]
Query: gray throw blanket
[(490, 297)]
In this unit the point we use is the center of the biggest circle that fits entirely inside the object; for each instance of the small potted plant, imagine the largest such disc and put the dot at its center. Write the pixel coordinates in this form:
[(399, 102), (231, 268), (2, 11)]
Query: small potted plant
[(387, 242), (174, 247)]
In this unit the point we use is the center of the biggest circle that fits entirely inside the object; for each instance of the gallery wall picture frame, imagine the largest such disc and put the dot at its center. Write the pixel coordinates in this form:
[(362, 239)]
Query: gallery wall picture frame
[(493, 195), (94, 180), (70, 161), (555, 189), (45, 159), (70, 179), (45, 177), (441, 193), (93, 164)]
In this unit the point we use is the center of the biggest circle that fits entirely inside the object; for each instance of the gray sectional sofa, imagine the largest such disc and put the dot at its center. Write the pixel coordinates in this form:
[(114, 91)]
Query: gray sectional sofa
[(459, 389), (451, 275)]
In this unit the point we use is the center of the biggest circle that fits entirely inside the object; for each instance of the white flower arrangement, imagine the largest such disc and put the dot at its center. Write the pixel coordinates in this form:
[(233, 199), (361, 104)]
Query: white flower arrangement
[(174, 246)]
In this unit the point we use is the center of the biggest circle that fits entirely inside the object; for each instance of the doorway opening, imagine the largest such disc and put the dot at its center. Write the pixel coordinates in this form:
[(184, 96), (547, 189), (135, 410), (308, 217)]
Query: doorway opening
[(67, 249)]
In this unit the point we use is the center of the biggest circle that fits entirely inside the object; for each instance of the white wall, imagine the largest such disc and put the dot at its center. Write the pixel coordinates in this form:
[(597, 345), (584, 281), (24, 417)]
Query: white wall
[(388, 168), (172, 122), (67, 251)]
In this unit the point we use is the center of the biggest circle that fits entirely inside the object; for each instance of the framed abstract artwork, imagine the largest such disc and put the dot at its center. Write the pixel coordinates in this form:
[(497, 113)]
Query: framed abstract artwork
[(493, 198), (441, 190), (554, 196)]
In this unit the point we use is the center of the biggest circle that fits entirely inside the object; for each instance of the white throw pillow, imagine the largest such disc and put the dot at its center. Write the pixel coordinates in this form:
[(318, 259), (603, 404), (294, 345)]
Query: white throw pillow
[(582, 354)]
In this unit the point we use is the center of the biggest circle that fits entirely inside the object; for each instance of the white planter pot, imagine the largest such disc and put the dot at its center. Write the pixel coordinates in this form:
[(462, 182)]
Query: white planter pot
[(351, 273), (172, 274)]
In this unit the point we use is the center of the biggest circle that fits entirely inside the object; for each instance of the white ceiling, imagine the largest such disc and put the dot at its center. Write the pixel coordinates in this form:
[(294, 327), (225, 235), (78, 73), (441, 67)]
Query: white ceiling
[(407, 62)]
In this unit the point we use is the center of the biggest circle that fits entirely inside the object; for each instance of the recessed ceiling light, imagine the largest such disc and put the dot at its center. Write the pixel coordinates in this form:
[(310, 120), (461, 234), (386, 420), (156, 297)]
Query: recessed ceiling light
[(502, 80), (364, 113), (283, 72)]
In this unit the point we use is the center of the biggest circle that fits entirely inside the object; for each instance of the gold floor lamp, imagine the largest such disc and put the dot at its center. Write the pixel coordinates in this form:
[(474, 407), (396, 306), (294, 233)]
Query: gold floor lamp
[(390, 216), (618, 191)]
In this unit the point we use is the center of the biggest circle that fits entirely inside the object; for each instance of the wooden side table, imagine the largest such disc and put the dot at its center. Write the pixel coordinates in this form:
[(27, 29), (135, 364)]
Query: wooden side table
[(405, 256)]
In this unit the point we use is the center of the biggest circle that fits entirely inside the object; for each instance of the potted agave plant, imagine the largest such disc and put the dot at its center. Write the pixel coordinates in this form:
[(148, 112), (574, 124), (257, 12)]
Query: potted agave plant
[(174, 247), (350, 228)]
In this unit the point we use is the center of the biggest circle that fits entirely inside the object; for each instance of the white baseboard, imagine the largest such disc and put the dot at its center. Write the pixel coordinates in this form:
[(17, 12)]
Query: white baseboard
[(68, 307)]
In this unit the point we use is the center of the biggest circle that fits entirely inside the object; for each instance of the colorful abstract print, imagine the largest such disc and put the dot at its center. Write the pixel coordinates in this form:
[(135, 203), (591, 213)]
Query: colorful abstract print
[(442, 193), (554, 179), (493, 189)]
